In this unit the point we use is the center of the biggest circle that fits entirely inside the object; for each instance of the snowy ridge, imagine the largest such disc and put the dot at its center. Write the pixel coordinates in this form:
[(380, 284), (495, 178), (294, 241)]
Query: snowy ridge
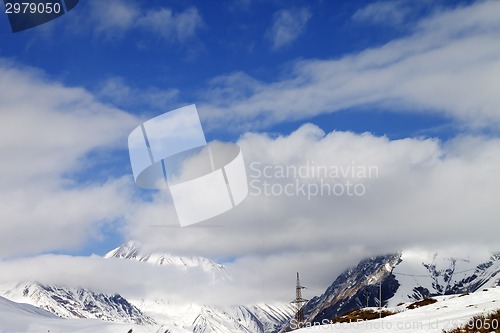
[(76, 303), (236, 319), (249, 319), (422, 274), (273, 315), (17, 318), (133, 250), (180, 318), (199, 318)]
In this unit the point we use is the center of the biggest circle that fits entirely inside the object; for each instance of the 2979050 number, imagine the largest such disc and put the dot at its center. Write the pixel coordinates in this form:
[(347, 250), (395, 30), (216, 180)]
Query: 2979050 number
[(483, 323), (32, 8)]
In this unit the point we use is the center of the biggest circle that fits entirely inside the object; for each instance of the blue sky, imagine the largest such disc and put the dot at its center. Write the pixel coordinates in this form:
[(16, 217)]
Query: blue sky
[(410, 87), (107, 43)]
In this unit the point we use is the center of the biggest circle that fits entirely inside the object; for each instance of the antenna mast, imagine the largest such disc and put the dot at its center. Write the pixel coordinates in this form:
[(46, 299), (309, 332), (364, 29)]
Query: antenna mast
[(299, 301)]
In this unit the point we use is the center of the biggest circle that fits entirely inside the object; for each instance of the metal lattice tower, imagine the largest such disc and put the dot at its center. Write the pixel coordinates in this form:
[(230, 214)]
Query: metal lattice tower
[(299, 301)]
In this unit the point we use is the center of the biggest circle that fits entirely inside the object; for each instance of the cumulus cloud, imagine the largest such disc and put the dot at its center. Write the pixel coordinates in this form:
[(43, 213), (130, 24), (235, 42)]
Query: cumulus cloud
[(116, 17), (419, 191), (176, 26), (47, 133), (288, 25), (447, 65), (424, 194)]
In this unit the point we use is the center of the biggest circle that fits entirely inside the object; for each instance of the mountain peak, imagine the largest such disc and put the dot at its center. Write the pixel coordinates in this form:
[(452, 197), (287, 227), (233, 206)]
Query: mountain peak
[(133, 250), (129, 250)]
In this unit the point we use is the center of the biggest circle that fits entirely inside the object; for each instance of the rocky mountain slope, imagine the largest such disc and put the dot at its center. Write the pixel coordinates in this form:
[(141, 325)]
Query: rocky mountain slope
[(401, 277), (76, 303), (446, 314)]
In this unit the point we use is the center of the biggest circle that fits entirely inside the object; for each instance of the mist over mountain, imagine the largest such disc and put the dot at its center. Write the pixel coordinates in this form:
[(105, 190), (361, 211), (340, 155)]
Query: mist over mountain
[(157, 312), (387, 280), (133, 250)]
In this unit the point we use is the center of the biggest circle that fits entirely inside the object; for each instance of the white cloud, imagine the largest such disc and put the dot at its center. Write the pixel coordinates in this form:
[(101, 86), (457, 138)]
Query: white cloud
[(424, 192), (288, 25), (120, 93), (275, 281), (116, 17), (106, 275), (47, 132), (448, 65), (172, 26), (383, 12)]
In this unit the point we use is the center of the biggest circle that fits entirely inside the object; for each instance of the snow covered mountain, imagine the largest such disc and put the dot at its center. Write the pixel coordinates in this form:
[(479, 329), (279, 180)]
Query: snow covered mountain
[(133, 250), (401, 277), (423, 275), (248, 319), (189, 317), (76, 303), (199, 318), (25, 318), (154, 315), (447, 313)]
